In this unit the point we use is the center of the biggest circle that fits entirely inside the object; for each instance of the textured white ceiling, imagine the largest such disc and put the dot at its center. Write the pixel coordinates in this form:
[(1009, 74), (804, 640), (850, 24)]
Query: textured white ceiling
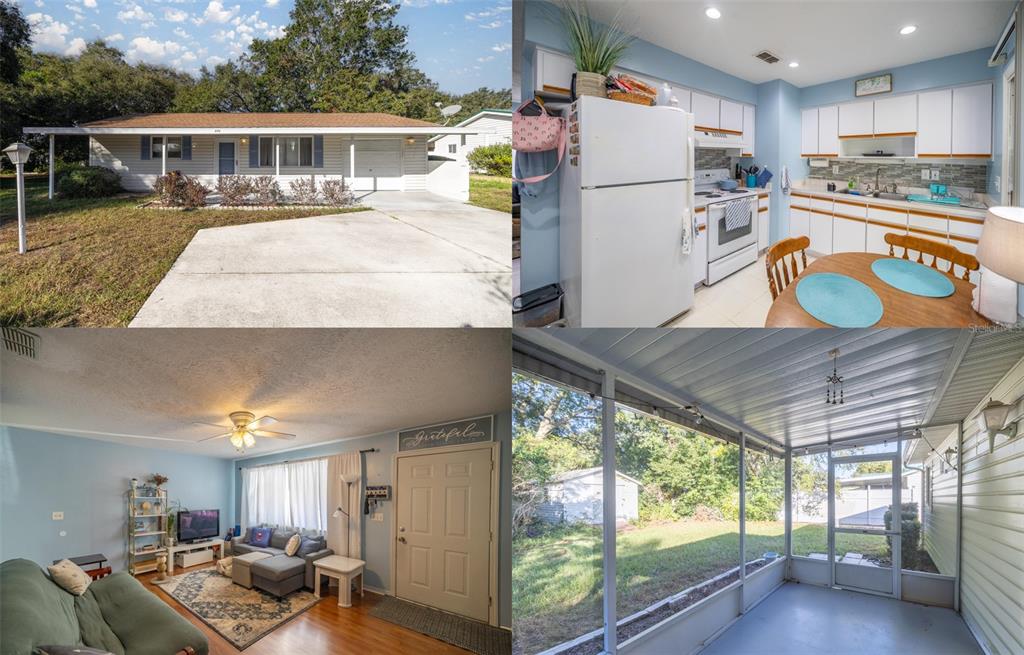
[(322, 385), (831, 39)]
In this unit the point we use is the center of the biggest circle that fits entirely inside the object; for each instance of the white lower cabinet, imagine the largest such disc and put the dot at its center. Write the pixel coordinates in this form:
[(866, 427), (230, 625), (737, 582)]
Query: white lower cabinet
[(700, 251), (763, 224), (875, 241), (820, 231), (799, 223), (848, 234)]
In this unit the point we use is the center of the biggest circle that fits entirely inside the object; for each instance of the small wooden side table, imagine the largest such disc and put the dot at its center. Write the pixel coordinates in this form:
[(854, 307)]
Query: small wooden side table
[(345, 570)]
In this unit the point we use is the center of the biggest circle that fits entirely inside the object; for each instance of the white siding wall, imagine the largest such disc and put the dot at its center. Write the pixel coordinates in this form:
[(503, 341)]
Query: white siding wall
[(939, 523), (381, 163), (581, 498), (992, 557), (498, 129)]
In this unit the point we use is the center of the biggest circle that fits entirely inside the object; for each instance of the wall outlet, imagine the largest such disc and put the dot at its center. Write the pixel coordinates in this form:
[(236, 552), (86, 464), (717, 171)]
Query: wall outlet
[(926, 174), (835, 169), (58, 516), (63, 533), (377, 516), (935, 175)]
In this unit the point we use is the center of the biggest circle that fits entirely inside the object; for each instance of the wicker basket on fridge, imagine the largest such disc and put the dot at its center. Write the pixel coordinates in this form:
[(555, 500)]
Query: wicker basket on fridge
[(635, 98)]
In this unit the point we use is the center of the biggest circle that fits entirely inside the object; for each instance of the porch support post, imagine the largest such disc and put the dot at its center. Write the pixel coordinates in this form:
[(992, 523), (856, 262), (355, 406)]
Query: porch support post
[(828, 527), (352, 160), (959, 507), (608, 523), (789, 509), (277, 158), (163, 155), (51, 167), (743, 523)]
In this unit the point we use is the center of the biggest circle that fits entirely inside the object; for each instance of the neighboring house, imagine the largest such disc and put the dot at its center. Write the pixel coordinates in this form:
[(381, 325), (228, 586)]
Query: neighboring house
[(372, 152), (491, 125), (575, 497)]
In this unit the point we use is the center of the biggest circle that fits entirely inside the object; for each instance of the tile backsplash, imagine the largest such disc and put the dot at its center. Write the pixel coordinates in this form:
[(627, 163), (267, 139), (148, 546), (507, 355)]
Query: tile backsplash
[(907, 174), (705, 158)]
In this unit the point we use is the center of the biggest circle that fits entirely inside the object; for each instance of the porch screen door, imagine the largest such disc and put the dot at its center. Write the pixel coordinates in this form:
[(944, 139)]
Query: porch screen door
[(865, 555), (226, 158)]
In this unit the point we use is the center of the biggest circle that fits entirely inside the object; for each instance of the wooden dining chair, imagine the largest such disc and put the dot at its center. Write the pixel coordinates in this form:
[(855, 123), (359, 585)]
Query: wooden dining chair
[(776, 260), (936, 249)]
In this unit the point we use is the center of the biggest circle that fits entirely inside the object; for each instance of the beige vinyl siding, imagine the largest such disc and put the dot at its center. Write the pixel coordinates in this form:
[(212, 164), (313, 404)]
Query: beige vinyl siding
[(992, 547), (939, 524), (383, 157), (495, 129)]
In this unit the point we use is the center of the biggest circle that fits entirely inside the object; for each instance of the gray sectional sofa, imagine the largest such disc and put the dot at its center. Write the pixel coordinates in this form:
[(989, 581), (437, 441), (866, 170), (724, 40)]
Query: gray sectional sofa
[(280, 574)]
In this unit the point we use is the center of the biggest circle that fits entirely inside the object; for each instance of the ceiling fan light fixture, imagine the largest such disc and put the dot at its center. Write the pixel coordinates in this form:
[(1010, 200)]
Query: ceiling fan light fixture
[(249, 439), (712, 13), (237, 440)]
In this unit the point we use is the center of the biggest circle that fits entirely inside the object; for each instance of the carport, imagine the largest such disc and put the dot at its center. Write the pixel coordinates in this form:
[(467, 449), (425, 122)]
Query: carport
[(912, 408)]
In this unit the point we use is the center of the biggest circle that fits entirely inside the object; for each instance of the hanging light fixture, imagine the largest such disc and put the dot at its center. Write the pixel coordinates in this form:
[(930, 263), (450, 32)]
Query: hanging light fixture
[(834, 388), (993, 421)]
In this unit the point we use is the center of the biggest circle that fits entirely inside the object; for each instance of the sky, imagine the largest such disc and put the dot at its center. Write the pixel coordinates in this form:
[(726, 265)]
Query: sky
[(460, 44)]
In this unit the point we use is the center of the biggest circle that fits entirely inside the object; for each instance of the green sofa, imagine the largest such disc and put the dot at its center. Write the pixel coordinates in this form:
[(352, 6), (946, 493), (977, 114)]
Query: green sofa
[(115, 613)]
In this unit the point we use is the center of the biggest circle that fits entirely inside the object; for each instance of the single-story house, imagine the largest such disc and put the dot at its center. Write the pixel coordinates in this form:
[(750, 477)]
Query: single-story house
[(371, 151), (575, 497), (491, 126)]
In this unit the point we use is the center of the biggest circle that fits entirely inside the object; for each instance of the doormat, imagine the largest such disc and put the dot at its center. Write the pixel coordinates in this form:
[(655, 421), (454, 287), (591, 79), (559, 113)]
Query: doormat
[(240, 615), (456, 630)]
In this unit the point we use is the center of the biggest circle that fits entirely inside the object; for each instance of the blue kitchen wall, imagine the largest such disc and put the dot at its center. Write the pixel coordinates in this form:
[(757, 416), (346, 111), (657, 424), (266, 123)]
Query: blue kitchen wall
[(376, 546), (778, 146), (539, 214), (42, 473)]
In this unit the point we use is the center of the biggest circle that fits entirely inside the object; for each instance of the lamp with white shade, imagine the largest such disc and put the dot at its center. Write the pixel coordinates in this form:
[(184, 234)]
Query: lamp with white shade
[(1001, 251), (992, 420), (18, 154)]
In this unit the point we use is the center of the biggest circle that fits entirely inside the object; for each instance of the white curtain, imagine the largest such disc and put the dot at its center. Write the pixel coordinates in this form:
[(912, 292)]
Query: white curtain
[(292, 494), (344, 478)]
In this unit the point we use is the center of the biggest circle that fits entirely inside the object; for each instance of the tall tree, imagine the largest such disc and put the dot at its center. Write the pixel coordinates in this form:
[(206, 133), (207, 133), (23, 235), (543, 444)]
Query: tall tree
[(15, 34)]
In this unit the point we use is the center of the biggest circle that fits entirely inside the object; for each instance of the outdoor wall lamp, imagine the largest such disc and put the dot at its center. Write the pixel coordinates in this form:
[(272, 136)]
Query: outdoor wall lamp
[(993, 421), (18, 154)]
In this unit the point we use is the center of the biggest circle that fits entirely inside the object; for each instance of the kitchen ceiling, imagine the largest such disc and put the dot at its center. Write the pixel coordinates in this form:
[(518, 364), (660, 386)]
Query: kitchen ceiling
[(831, 40), (771, 383), (322, 385)]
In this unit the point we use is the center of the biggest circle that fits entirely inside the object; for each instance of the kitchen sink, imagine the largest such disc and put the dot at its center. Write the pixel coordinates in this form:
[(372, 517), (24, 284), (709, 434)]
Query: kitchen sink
[(875, 194)]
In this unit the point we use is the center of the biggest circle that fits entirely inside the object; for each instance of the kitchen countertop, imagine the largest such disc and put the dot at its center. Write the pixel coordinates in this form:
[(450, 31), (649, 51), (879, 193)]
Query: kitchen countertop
[(953, 210)]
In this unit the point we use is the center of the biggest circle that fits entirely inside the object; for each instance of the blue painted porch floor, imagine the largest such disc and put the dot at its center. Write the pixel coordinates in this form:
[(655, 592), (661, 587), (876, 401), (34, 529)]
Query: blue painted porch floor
[(804, 620)]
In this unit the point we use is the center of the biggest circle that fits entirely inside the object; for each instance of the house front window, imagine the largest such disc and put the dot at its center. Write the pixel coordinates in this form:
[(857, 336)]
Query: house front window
[(267, 151), (173, 147), (452, 148), (297, 151)]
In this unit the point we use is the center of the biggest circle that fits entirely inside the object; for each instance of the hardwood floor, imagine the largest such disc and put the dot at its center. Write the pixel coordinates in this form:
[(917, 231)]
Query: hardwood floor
[(324, 628)]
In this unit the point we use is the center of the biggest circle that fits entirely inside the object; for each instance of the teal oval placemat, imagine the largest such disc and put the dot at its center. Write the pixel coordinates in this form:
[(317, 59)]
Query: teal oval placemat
[(839, 300), (912, 277)]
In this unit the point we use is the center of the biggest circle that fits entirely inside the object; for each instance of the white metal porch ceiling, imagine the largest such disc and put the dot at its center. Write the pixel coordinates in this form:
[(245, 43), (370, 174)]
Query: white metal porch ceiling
[(771, 383)]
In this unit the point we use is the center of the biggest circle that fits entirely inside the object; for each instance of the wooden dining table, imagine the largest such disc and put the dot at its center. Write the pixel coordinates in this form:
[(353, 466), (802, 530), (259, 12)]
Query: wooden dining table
[(899, 308)]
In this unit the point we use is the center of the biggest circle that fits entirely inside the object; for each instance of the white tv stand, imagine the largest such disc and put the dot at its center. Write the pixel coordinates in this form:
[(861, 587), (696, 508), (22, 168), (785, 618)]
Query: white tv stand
[(195, 553)]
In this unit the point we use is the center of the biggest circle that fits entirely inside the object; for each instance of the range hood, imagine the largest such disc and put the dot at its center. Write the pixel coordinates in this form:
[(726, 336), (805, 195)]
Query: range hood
[(718, 140)]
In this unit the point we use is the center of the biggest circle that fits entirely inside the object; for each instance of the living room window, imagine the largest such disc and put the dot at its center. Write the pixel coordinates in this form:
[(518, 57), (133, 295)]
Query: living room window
[(266, 151), (173, 147), (297, 151), (290, 494)]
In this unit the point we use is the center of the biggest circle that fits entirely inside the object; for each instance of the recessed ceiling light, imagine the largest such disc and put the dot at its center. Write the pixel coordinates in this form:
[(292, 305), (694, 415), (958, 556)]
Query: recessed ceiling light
[(711, 12), (794, 64), (909, 29)]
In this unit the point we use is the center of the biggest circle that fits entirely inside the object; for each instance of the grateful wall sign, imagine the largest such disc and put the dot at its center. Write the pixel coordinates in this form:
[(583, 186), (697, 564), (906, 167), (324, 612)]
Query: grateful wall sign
[(470, 430)]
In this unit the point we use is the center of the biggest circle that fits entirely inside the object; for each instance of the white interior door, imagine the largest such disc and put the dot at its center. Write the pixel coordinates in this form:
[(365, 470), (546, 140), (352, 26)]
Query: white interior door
[(442, 554), (865, 555)]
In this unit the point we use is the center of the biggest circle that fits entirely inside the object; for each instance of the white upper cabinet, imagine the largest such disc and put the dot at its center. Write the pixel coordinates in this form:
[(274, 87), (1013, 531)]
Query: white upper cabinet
[(896, 115), (935, 123), (731, 116), (972, 121), (749, 121), (683, 96), (857, 119), (828, 131), (554, 72), (705, 110), (809, 132)]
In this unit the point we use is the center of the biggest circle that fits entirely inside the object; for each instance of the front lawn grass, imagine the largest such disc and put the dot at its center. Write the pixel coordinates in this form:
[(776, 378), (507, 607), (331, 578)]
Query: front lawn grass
[(491, 192), (93, 263), (557, 578)]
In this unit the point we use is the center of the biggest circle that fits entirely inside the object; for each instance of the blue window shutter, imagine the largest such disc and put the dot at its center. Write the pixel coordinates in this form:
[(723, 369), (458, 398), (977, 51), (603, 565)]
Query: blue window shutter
[(254, 151), (147, 149), (318, 151), (186, 148)]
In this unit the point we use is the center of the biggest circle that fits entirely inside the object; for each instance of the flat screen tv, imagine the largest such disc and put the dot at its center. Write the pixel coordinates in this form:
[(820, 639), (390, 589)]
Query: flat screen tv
[(198, 524)]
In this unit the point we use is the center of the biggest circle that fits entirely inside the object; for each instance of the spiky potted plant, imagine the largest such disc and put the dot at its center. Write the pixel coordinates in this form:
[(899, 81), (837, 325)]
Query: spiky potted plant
[(595, 48)]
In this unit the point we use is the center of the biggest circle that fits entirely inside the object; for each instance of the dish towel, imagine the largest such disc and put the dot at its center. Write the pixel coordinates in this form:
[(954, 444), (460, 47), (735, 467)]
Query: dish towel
[(784, 180), (737, 214)]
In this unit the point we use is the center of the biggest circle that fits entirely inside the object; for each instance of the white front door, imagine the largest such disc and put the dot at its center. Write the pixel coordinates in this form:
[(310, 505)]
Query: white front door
[(442, 554)]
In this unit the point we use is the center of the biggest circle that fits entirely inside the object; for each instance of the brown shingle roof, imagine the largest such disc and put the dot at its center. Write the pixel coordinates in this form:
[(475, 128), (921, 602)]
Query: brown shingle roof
[(215, 119)]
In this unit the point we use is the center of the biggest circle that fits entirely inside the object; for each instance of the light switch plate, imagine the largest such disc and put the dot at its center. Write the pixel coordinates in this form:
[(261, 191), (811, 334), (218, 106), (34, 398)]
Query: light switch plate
[(935, 175), (925, 174), (835, 169), (377, 516), (58, 516)]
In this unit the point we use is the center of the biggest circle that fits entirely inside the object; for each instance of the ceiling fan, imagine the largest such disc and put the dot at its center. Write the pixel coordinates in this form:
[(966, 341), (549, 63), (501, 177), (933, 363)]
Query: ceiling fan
[(245, 428)]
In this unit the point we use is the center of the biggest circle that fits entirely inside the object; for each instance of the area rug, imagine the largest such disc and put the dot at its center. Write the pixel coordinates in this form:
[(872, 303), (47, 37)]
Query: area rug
[(240, 615), (456, 630)]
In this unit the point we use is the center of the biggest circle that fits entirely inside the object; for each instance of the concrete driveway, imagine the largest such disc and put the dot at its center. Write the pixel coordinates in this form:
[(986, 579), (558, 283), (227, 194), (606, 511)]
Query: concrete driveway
[(414, 260)]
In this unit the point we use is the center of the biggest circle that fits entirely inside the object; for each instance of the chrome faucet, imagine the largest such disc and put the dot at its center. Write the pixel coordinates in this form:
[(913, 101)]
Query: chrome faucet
[(878, 172)]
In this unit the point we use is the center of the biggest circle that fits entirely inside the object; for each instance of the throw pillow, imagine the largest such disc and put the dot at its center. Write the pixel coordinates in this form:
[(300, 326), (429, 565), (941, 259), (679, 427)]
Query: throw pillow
[(292, 546), (70, 576), (308, 547), (260, 537), (69, 650)]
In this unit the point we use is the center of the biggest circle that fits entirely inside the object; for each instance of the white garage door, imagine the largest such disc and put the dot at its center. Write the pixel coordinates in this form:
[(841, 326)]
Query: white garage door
[(379, 164)]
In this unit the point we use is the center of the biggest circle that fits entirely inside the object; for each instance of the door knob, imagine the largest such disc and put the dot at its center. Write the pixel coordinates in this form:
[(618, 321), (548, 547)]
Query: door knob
[(401, 540)]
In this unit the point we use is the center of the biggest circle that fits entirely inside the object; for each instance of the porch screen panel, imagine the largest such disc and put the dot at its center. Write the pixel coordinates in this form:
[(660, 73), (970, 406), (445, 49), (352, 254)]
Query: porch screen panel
[(145, 145), (810, 505), (254, 153), (186, 148), (318, 151)]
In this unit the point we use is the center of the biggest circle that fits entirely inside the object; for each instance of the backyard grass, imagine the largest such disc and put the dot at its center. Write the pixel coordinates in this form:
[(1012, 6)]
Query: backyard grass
[(491, 192), (557, 579), (93, 263)]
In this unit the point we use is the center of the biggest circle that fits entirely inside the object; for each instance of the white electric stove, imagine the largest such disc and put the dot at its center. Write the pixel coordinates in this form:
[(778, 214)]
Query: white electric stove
[(732, 245)]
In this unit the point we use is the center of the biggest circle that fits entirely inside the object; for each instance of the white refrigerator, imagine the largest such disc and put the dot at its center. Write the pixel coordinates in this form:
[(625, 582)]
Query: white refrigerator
[(626, 214)]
